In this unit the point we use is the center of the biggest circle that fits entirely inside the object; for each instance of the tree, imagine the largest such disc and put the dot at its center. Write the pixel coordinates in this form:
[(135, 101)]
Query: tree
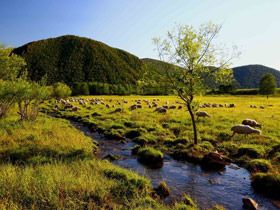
[(267, 85), (29, 95), (193, 54), (11, 66), (61, 90)]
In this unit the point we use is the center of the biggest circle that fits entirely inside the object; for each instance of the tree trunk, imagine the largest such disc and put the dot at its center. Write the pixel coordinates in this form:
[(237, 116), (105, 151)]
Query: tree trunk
[(193, 123)]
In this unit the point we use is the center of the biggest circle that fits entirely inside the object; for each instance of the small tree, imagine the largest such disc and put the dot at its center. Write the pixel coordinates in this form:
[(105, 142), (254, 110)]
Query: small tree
[(194, 54), (11, 66), (61, 90), (29, 95), (267, 85)]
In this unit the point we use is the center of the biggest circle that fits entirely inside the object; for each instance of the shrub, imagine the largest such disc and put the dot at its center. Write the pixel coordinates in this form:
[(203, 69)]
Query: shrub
[(29, 96), (26, 94), (61, 90), (7, 96)]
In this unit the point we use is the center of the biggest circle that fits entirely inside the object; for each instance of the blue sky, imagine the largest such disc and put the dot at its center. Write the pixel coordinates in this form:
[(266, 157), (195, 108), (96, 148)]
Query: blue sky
[(252, 25)]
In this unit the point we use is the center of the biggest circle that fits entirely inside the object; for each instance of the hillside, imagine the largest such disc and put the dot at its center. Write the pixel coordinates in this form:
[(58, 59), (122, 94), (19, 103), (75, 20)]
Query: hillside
[(249, 76), (245, 76), (76, 59)]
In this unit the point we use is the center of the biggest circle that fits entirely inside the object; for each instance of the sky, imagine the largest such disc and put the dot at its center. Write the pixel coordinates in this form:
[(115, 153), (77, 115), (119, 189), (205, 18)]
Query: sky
[(252, 25)]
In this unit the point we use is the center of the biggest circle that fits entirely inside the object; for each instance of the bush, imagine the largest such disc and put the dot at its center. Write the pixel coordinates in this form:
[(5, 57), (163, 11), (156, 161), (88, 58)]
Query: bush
[(61, 90), (150, 156), (28, 96), (7, 96), (267, 183)]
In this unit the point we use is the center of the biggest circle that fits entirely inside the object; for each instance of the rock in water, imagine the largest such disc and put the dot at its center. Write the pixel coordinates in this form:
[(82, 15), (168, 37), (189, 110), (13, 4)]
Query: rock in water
[(214, 161), (250, 204)]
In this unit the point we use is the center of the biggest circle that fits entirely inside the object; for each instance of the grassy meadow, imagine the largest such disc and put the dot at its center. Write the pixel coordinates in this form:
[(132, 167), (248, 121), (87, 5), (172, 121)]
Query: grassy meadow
[(48, 164), (171, 132)]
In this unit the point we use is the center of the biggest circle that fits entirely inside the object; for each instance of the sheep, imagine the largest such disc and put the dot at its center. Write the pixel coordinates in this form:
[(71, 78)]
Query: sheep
[(132, 107), (252, 123), (244, 129), (172, 107), (161, 110), (202, 114)]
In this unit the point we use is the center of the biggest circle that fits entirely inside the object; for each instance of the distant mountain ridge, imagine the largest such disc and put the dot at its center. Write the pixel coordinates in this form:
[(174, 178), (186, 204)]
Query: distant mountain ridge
[(74, 59), (249, 76)]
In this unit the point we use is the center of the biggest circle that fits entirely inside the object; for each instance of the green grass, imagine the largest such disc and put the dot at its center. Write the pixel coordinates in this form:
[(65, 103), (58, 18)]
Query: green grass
[(48, 164), (42, 141), (259, 165), (171, 133), (163, 129), (150, 156)]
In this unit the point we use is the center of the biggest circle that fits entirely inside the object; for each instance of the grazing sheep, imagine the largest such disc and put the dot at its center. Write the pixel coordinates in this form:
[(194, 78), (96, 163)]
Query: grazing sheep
[(172, 107), (244, 129), (107, 106), (133, 107), (202, 114), (252, 123), (161, 110), (116, 110)]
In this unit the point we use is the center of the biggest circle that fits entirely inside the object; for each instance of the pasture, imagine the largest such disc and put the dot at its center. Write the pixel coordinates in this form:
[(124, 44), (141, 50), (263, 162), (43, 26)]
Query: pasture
[(113, 116)]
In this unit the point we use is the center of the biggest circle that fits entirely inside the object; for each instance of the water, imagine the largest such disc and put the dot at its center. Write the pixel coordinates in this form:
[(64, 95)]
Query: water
[(226, 187)]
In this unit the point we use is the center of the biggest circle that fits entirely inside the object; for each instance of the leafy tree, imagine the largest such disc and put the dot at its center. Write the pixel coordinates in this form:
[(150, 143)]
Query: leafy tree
[(28, 96), (267, 85), (7, 96), (11, 66), (193, 51), (61, 90)]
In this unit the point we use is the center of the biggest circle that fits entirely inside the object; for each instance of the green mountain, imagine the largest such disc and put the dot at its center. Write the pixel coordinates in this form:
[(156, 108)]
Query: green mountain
[(245, 76), (74, 59), (250, 76)]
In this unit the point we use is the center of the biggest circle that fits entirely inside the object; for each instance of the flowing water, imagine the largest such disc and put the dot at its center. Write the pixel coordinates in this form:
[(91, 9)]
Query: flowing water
[(226, 187)]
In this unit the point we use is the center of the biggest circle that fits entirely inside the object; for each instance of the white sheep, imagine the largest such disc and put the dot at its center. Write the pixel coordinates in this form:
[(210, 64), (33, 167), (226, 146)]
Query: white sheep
[(202, 114), (244, 129), (252, 123)]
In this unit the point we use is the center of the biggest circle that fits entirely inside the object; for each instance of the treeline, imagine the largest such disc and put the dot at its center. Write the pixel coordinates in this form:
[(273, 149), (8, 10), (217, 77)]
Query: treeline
[(98, 88)]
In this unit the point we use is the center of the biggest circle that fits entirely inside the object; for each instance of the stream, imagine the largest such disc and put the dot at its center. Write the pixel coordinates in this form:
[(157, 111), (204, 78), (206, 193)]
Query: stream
[(226, 187)]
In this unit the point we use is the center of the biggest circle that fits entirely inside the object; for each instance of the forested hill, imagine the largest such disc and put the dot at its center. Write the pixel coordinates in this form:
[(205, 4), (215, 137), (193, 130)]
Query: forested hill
[(249, 76), (245, 76), (75, 59)]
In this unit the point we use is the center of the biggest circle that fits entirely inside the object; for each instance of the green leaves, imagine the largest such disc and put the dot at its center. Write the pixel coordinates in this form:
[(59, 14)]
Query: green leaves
[(268, 84), (11, 66)]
